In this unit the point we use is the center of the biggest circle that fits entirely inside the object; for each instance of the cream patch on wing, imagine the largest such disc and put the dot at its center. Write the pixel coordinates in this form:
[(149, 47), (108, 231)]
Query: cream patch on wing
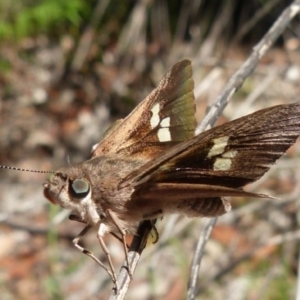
[(155, 119), (165, 122), (219, 146), (224, 163), (164, 135)]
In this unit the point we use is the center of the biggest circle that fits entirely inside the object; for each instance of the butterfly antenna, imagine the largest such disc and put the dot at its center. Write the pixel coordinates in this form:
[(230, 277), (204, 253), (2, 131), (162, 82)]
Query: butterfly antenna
[(24, 170)]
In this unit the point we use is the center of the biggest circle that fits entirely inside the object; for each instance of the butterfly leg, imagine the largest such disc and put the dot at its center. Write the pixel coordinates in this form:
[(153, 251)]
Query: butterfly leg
[(76, 218), (109, 270), (123, 236), (101, 231), (118, 238), (154, 232)]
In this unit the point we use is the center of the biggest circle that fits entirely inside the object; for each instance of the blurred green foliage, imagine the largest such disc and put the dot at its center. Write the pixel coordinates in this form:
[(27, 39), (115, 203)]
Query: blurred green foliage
[(19, 19)]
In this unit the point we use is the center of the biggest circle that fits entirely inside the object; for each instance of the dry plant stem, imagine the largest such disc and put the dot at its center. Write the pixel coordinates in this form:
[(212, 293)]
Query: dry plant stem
[(204, 236), (254, 95), (248, 66), (137, 246), (213, 113), (265, 9)]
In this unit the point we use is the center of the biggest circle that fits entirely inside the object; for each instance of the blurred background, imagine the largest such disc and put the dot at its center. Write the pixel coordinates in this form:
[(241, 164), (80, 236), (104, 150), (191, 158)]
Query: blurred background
[(68, 69)]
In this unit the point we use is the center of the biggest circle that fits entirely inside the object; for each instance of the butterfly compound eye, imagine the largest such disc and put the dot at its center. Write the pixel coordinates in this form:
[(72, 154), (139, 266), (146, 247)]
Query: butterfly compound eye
[(79, 188)]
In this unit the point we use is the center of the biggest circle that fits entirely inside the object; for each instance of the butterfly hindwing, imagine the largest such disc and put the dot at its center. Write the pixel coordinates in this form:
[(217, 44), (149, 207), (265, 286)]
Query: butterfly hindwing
[(191, 207), (165, 118), (204, 207), (191, 199)]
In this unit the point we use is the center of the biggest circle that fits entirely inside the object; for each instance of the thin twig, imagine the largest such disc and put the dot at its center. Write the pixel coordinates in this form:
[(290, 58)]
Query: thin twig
[(259, 15), (254, 95), (199, 252), (136, 248), (248, 66)]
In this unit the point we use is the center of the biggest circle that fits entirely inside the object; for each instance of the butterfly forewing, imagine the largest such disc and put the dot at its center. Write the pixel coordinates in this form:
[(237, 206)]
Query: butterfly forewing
[(165, 118), (231, 155)]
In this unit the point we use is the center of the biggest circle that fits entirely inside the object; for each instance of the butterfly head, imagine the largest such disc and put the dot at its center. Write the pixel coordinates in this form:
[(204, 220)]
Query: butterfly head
[(71, 189)]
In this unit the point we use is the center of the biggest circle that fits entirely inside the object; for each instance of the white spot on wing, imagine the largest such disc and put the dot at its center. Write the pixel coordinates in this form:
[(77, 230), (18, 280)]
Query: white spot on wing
[(222, 164), (154, 121), (165, 122), (219, 146), (230, 154), (164, 135)]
